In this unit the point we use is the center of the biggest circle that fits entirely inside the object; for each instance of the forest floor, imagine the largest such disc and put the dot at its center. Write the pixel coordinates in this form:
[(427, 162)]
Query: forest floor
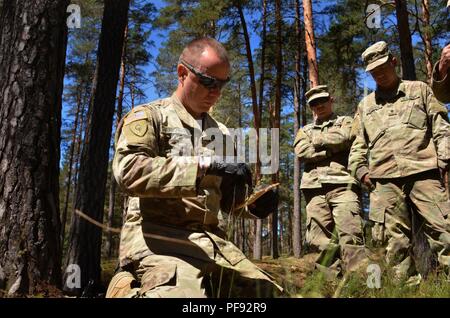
[(299, 279)]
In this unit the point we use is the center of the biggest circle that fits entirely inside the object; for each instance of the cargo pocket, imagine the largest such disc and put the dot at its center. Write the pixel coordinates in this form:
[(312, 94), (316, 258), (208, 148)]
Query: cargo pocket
[(377, 213), (227, 249), (164, 274), (177, 141), (416, 115), (444, 206)]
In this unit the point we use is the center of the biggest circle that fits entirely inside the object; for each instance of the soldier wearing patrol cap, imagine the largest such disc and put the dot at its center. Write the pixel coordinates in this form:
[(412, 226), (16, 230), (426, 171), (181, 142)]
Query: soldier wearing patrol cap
[(400, 151), (173, 242), (333, 223)]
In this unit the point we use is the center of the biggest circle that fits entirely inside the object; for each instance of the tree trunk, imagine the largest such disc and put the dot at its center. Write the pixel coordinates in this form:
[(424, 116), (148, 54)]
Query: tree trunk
[(406, 50), (257, 244), (251, 71), (427, 39), (256, 114), (69, 174), (113, 185), (310, 44), (85, 238), (32, 55), (296, 222), (277, 112)]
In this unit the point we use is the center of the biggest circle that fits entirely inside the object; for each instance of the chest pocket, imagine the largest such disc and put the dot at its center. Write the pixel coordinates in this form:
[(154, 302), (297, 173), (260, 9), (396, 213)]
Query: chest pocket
[(374, 123), (176, 141), (415, 115)]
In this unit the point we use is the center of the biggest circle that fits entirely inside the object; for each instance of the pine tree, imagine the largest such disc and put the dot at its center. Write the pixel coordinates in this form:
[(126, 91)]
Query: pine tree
[(30, 120), (85, 238)]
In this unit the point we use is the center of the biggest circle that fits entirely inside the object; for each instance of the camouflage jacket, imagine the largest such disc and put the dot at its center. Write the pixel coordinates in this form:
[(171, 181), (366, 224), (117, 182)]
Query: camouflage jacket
[(324, 149), (441, 87), (155, 163), (400, 134)]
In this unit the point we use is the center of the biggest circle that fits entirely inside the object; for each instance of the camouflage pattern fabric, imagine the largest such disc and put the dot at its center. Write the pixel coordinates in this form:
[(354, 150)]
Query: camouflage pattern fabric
[(333, 219), (401, 140), (155, 163), (391, 205), (324, 148), (405, 132), (333, 208)]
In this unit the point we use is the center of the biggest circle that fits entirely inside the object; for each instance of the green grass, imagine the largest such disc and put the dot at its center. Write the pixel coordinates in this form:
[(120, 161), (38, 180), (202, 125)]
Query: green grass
[(355, 286), (299, 279)]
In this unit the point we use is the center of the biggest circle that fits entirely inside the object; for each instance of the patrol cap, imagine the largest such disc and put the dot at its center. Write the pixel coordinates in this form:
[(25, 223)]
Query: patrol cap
[(376, 55), (320, 91)]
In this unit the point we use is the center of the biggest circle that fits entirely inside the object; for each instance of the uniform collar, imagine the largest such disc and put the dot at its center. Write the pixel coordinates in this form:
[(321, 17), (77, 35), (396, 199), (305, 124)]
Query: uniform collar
[(332, 117), (201, 124), (383, 95), (184, 115)]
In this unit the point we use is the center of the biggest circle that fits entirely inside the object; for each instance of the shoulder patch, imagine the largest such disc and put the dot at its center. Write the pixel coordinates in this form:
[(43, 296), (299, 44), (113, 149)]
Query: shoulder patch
[(135, 115), (139, 127)]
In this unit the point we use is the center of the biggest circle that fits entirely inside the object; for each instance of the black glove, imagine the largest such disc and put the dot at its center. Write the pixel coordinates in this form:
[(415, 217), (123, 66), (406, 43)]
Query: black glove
[(239, 172), (265, 205), (234, 194)]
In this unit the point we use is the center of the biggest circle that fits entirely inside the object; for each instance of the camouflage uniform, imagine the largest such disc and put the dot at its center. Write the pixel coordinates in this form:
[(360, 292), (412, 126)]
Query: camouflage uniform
[(173, 237), (401, 141), (440, 86), (332, 202)]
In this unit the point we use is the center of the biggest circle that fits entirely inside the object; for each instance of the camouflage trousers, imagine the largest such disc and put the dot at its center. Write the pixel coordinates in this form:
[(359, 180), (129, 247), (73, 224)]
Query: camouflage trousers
[(334, 225), (395, 202), (181, 276)]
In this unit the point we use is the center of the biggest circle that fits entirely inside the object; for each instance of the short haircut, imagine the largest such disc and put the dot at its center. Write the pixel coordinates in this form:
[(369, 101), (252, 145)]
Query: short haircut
[(196, 47)]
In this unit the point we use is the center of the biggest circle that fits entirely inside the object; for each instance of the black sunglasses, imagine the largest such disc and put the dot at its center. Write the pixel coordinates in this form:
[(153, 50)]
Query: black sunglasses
[(206, 80), (318, 101)]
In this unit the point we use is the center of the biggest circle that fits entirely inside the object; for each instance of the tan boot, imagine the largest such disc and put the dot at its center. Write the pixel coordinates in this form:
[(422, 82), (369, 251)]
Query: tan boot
[(120, 285)]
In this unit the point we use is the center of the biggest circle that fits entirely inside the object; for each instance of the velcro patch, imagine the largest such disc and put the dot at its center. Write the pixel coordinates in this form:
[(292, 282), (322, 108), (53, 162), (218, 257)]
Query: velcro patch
[(139, 127), (135, 115)]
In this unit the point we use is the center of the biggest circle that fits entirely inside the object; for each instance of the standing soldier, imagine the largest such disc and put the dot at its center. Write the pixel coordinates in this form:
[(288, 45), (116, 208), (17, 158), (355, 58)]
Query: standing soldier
[(332, 202), (401, 150), (440, 82), (173, 241)]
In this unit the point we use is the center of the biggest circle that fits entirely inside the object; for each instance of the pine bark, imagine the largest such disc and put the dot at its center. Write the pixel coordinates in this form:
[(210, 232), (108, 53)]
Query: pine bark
[(32, 54), (426, 36), (257, 245), (406, 50), (310, 43), (113, 184)]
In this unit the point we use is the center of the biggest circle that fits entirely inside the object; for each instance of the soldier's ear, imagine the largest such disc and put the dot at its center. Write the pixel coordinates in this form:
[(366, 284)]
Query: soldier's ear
[(394, 61), (182, 72)]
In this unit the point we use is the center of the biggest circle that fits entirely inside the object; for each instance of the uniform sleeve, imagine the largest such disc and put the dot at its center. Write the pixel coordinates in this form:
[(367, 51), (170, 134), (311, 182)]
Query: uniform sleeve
[(139, 170), (440, 86), (305, 150), (357, 160), (336, 139), (438, 119)]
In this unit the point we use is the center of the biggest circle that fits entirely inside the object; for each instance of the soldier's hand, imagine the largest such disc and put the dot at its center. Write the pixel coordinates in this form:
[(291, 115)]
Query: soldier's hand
[(238, 171), (265, 205), (367, 182), (444, 62)]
